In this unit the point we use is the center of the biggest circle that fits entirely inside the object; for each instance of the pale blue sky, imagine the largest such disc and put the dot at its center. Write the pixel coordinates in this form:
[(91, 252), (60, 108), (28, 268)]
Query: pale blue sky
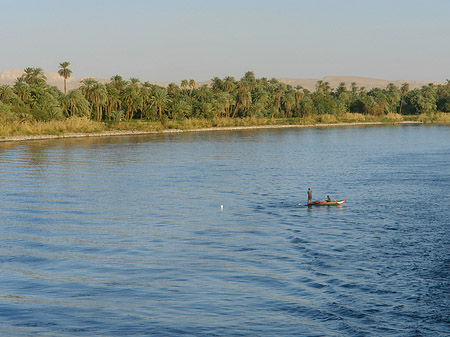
[(171, 40)]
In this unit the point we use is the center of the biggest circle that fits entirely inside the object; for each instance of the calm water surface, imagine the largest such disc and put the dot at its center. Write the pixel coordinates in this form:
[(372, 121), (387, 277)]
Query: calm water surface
[(125, 236)]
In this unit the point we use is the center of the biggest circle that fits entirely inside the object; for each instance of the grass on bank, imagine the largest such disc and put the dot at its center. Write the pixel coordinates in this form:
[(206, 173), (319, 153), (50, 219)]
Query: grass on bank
[(54, 127), (437, 117), (85, 125)]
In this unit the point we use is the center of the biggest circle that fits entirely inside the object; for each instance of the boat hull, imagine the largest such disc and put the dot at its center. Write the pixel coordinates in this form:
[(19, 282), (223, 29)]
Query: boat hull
[(326, 203)]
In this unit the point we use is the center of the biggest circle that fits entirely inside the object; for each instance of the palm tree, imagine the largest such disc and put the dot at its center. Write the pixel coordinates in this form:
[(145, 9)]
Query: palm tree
[(341, 89), (159, 99), (6, 93), (146, 96), (135, 81), (118, 82), (65, 73), (184, 84), (203, 93), (289, 102), (354, 89), (21, 89), (113, 102), (229, 84), (132, 99), (217, 84), (86, 87), (34, 76), (244, 98), (279, 89), (75, 104), (95, 93), (99, 98), (299, 94), (404, 89), (322, 87), (191, 85), (394, 95), (250, 80), (224, 99), (172, 89), (180, 109)]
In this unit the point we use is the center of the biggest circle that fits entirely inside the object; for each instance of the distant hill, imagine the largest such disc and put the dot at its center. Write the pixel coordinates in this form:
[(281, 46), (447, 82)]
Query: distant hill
[(10, 76), (368, 83)]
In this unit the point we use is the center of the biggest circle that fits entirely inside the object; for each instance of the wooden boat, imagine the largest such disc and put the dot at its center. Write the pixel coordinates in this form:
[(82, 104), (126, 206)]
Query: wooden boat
[(326, 203)]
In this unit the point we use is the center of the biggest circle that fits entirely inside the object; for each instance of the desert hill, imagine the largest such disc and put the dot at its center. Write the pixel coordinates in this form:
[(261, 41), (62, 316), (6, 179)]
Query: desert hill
[(10, 76), (366, 82)]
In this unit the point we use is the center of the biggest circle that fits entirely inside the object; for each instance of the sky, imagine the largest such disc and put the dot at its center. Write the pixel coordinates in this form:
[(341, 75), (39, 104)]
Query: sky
[(171, 40)]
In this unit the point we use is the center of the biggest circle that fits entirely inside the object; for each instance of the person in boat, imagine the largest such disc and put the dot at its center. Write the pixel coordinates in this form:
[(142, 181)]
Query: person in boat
[(309, 195), (328, 198)]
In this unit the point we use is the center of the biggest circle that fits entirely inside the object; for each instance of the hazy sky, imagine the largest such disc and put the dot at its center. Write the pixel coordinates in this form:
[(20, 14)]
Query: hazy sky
[(171, 40)]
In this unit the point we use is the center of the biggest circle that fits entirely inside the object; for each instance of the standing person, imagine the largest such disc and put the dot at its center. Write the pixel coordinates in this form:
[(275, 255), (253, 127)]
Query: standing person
[(309, 195)]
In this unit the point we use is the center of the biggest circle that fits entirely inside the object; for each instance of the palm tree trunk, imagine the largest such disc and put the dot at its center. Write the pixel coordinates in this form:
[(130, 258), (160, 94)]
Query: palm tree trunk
[(401, 103), (234, 110)]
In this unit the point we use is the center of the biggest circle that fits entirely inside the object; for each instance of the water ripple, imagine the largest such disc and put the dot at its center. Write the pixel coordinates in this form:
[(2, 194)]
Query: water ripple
[(126, 236)]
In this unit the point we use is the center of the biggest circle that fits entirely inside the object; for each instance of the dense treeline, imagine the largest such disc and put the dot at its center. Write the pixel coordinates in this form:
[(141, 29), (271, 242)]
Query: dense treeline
[(31, 98)]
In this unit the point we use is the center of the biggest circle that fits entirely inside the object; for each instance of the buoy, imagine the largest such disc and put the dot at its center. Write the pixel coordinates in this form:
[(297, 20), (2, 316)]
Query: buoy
[(221, 207)]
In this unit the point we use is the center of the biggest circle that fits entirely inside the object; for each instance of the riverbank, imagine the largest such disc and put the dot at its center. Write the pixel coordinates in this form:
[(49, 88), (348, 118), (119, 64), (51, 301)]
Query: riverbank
[(140, 132), (81, 127)]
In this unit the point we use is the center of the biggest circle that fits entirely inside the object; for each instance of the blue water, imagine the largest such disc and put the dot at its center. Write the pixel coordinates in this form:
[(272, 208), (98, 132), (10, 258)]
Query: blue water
[(126, 237)]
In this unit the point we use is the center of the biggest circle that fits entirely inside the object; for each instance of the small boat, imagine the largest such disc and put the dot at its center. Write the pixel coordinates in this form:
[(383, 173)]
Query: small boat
[(326, 203)]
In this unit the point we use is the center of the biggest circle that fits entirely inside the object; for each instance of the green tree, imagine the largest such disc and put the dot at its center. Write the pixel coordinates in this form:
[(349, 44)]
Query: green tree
[(65, 73), (404, 90), (393, 94), (306, 106), (34, 76), (250, 80), (278, 90), (99, 95), (229, 84), (21, 89), (217, 84), (323, 87), (203, 94), (113, 101), (184, 84), (44, 105), (244, 98), (341, 89), (160, 99), (146, 93), (191, 85), (95, 93), (118, 82), (289, 102), (180, 109), (75, 104), (132, 99), (172, 89), (7, 95)]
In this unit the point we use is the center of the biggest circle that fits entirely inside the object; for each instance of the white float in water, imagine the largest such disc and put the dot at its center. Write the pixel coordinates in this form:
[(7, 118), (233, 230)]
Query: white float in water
[(221, 207)]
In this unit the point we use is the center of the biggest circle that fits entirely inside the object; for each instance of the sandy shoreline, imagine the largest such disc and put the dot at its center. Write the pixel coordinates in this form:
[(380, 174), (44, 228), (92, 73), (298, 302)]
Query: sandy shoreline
[(138, 132)]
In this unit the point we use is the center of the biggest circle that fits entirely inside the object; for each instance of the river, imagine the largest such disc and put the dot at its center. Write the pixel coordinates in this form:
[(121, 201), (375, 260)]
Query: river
[(207, 234)]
